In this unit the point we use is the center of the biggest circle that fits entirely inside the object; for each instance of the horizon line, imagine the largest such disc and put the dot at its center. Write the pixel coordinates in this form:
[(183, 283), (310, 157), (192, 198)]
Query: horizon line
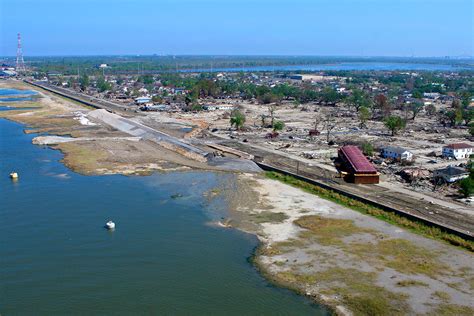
[(248, 55)]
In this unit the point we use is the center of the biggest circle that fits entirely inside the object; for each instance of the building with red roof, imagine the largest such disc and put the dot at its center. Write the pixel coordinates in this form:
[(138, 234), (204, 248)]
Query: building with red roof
[(457, 151), (356, 167)]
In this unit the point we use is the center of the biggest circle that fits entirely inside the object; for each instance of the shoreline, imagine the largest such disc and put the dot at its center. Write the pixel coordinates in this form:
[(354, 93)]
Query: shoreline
[(269, 210), (312, 243)]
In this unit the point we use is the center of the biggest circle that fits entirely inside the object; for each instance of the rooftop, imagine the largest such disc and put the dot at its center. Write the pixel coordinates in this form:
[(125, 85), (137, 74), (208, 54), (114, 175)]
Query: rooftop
[(398, 150), (458, 146), (453, 171), (358, 161)]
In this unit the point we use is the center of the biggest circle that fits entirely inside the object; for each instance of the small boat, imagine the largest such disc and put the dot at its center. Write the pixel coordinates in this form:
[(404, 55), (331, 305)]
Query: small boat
[(110, 225), (14, 175)]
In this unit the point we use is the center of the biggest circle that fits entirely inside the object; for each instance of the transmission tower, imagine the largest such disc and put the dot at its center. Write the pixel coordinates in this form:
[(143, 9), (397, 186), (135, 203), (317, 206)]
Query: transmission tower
[(20, 62)]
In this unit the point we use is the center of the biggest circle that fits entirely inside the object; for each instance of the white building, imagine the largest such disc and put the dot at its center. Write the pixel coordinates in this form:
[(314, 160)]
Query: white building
[(213, 107), (450, 174), (142, 100), (397, 153), (457, 151)]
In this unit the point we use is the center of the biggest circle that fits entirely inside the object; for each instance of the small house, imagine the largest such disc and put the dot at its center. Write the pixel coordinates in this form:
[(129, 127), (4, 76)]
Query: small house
[(457, 151), (450, 174), (397, 153)]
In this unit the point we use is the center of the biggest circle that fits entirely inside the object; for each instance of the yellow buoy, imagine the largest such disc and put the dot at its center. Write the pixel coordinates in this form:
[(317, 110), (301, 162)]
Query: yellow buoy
[(14, 175)]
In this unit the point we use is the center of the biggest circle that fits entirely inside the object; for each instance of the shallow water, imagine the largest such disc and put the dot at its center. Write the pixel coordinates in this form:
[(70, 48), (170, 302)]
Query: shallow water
[(16, 95), (163, 258)]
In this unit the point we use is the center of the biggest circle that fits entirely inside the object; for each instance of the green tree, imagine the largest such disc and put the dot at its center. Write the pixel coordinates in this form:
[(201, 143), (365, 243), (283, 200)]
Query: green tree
[(359, 99), (146, 79), (278, 126), (84, 82), (455, 117), (329, 96), (156, 99), (468, 115), (367, 149), (237, 119), (466, 187), (267, 98), (364, 115), (417, 94), (471, 129), (394, 123), (103, 85)]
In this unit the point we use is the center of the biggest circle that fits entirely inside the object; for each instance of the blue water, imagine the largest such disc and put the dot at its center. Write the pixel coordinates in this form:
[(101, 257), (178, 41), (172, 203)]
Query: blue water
[(376, 66), (15, 95), (163, 258), (16, 92), (4, 100)]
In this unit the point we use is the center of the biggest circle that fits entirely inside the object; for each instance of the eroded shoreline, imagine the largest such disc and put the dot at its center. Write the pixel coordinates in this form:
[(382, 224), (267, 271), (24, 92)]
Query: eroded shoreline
[(350, 262)]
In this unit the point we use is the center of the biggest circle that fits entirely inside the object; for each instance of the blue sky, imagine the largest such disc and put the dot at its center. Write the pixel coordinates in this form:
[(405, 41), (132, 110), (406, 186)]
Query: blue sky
[(258, 27)]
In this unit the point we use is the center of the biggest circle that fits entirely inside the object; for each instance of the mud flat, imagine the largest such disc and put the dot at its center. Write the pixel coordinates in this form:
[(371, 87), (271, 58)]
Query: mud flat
[(91, 146), (353, 263)]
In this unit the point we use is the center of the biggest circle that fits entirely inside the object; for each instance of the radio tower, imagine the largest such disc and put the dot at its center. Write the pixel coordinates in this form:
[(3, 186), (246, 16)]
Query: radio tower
[(20, 62)]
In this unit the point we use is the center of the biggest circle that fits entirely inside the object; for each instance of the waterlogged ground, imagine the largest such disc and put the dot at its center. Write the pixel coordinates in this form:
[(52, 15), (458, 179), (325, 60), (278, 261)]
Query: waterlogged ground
[(352, 262), (96, 148)]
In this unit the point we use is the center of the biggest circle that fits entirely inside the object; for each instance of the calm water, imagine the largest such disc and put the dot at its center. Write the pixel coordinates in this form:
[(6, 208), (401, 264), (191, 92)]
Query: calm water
[(15, 95), (57, 259), (16, 92), (377, 66)]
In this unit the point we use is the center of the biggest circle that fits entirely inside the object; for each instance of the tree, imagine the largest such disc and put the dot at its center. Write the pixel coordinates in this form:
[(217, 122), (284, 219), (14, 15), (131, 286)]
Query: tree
[(146, 79), (468, 115), (267, 98), (237, 119), (330, 124), (394, 123), (455, 117), (417, 94), (456, 104), (156, 99), (381, 103), (471, 129), (358, 99), (278, 126), (330, 96), (430, 109), (84, 82), (103, 85), (367, 149), (364, 115), (466, 187), (416, 108), (271, 110)]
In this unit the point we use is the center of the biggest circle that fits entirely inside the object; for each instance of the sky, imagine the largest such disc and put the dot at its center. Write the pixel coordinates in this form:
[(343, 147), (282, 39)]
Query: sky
[(417, 28)]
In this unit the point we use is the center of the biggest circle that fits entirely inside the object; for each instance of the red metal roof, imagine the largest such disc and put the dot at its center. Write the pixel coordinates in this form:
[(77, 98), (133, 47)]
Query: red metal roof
[(458, 146), (358, 161)]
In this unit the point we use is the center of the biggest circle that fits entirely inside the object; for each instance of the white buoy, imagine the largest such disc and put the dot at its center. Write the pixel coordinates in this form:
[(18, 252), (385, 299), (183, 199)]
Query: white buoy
[(110, 225), (14, 175)]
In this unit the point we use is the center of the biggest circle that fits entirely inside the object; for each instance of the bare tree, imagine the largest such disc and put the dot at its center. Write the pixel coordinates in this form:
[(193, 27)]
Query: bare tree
[(315, 131), (271, 110), (329, 124)]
